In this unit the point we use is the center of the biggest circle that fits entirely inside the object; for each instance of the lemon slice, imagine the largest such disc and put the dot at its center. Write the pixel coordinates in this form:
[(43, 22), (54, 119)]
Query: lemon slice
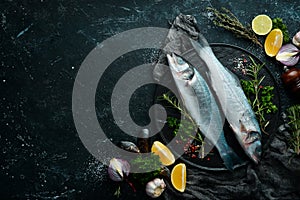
[(164, 153), (273, 42), (178, 177), (262, 24)]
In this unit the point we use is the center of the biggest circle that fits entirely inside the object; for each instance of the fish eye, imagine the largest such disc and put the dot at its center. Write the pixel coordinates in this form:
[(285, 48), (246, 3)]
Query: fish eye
[(180, 61), (188, 74), (254, 135)]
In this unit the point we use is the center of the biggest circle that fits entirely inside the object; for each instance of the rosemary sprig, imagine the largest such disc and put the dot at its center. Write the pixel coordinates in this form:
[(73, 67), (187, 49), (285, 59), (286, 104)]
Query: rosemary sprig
[(294, 116), (259, 96), (229, 21), (187, 125), (175, 103)]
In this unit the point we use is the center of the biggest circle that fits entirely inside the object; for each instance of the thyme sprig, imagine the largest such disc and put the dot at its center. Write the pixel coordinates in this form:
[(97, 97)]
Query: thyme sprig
[(259, 96), (229, 21), (151, 161), (294, 116), (187, 127)]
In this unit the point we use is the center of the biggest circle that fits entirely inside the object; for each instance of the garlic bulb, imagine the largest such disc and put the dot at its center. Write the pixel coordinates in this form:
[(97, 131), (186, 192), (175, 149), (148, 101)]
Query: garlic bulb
[(155, 188), (118, 169), (296, 39)]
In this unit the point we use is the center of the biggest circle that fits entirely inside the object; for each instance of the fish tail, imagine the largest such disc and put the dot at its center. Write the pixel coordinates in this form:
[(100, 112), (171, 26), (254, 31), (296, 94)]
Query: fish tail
[(229, 157), (228, 162)]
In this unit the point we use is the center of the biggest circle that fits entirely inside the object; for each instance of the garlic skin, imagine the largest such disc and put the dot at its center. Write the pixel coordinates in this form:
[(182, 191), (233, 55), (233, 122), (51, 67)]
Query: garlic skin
[(118, 169), (155, 188), (296, 39)]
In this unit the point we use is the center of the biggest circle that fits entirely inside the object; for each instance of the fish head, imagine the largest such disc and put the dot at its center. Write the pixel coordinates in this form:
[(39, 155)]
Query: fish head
[(254, 150), (251, 142), (179, 67)]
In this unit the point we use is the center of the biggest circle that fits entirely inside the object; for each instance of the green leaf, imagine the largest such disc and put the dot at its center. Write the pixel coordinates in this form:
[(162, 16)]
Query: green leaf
[(278, 23), (293, 113), (259, 96)]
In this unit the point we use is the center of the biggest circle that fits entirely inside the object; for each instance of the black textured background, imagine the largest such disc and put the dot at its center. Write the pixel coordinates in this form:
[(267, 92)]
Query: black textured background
[(43, 44)]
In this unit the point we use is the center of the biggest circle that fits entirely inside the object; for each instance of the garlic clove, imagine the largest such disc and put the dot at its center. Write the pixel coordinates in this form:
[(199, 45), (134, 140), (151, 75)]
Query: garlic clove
[(296, 39), (155, 187), (118, 169)]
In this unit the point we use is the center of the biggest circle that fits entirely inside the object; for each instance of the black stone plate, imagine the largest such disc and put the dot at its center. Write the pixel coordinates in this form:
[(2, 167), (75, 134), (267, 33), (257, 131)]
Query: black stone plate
[(231, 57)]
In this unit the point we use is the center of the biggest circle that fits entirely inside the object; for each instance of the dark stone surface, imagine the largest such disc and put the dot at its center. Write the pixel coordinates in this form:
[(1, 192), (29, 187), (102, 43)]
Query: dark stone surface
[(43, 44)]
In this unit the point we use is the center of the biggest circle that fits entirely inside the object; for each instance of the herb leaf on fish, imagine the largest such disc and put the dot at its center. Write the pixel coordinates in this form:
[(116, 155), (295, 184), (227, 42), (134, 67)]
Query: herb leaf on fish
[(229, 21), (294, 116), (259, 96)]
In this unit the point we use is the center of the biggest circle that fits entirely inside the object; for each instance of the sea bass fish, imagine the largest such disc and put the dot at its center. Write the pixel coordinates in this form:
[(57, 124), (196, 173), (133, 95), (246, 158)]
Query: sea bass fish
[(234, 103), (201, 105)]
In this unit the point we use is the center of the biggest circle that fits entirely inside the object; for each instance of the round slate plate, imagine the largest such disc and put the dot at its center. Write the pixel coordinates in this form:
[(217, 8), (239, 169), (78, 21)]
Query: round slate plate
[(236, 60)]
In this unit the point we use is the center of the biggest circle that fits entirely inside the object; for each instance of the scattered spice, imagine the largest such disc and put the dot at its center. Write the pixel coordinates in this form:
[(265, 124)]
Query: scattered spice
[(240, 64), (229, 21)]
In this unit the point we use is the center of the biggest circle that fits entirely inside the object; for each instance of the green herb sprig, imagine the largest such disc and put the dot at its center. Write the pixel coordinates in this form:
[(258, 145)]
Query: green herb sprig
[(259, 96), (187, 124), (229, 21), (187, 127), (278, 23), (172, 100), (146, 163), (294, 116)]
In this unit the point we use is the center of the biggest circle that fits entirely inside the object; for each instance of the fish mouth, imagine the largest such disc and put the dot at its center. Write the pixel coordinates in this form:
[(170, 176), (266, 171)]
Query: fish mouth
[(257, 152), (180, 68), (252, 145), (254, 150), (176, 63)]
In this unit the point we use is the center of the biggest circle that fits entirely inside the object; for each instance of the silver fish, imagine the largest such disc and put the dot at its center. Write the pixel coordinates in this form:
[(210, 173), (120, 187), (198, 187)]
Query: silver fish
[(201, 105), (234, 103)]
